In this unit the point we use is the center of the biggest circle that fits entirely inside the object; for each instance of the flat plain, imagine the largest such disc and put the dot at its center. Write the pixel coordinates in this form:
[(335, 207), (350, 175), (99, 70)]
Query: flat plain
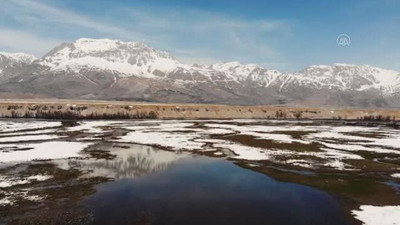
[(75, 162)]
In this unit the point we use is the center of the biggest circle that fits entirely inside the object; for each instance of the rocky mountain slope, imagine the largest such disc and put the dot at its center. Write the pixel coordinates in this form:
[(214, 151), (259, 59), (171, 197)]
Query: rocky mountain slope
[(13, 61), (116, 70)]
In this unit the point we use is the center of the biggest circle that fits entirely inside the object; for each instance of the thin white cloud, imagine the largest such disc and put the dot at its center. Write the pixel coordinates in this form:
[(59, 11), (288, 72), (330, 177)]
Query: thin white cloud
[(38, 27), (199, 34), (41, 15), (46, 13), (190, 34), (21, 41)]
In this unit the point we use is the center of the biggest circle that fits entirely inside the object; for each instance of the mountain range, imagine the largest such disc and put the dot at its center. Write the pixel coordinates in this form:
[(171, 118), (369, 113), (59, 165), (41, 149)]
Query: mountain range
[(115, 70)]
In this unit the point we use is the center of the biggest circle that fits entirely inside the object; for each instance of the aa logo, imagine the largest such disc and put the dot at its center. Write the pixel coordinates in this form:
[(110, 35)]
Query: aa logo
[(343, 40)]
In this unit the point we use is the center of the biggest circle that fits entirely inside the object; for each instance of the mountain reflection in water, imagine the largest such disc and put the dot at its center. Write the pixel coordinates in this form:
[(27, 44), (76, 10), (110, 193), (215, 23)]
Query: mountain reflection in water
[(128, 161), (159, 187)]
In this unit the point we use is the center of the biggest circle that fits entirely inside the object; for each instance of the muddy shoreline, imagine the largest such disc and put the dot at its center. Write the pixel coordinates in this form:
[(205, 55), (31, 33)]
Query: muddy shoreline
[(81, 109)]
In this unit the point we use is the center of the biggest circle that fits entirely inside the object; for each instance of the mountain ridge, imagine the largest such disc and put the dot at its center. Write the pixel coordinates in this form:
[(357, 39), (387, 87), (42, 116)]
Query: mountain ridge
[(116, 70)]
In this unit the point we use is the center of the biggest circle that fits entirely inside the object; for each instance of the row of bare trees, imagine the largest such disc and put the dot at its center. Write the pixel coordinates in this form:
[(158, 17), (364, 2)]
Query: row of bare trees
[(53, 114)]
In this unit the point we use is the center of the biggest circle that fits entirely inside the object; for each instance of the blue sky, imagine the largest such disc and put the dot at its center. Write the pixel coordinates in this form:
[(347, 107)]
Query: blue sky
[(285, 35)]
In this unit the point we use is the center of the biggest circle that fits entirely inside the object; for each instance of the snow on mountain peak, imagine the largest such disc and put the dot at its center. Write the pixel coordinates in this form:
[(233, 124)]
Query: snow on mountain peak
[(252, 72), (125, 58), (234, 65), (94, 45), (9, 61), (235, 69), (19, 57), (138, 59), (348, 76)]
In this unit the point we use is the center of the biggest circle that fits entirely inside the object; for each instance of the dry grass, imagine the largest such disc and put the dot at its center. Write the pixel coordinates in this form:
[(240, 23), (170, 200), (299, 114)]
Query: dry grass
[(80, 109)]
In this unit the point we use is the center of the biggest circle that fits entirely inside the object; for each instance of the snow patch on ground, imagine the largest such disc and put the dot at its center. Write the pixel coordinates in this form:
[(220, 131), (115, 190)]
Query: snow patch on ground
[(378, 215), (12, 197), (12, 181), (176, 141), (6, 201), (43, 151), (350, 147), (28, 138), (46, 131), (245, 152), (299, 162), (91, 126), (11, 126), (336, 143), (184, 135)]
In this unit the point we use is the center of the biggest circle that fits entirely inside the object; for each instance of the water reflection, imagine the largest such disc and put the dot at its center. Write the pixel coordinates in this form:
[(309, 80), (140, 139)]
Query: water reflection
[(126, 161), (198, 190)]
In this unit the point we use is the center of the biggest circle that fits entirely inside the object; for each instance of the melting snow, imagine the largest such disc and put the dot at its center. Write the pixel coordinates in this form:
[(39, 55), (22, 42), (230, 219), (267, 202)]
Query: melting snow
[(176, 141), (12, 181), (28, 138), (245, 152), (180, 135), (11, 197), (378, 215), (186, 135), (11, 126), (91, 126), (43, 151)]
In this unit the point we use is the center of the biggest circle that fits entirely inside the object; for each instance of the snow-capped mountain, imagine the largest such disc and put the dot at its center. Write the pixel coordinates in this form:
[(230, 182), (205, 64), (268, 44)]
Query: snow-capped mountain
[(9, 61), (239, 72), (124, 58), (345, 77), (112, 69), (17, 57)]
